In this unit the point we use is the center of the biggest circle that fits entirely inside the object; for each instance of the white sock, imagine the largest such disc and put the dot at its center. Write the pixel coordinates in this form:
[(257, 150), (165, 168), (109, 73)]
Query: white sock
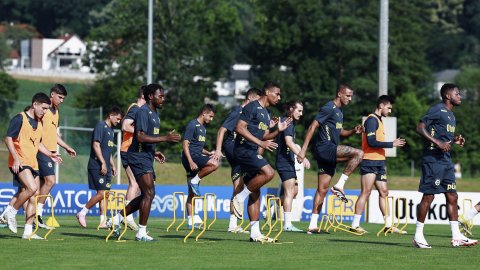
[(388, 221), (288, 219), (13, 211), (129, 217), (117, 219), (356, 221), (313, 222), (7, 209), (243, 195), (195, 180), (470, 214), (84, 211), (341, 181), (102, 219), (28, 229), (419, 233), (40, 209), (142, 230), (456, 234), (233, 222), (255, 229), (190, 220)]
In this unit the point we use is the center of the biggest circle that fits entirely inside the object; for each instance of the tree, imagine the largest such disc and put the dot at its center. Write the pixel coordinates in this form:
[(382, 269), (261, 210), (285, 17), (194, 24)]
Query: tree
[(8, 94)]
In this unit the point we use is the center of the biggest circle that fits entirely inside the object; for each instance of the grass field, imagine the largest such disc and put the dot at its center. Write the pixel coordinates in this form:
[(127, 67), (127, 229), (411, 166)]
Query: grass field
[(86, 249)]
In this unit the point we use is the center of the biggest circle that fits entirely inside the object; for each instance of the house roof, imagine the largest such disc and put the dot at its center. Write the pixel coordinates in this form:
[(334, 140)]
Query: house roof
[(65, 38), (446, 75), (14, 54)]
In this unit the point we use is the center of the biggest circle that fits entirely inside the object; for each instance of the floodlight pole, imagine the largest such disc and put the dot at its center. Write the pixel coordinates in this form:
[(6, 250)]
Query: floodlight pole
[(383, 51), (150, 41)]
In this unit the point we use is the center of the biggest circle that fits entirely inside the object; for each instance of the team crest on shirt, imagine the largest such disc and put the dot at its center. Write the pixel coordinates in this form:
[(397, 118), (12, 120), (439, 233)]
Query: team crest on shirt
[(437, 182), (109, 185), (259, 157), (101, 180), (50, 164)]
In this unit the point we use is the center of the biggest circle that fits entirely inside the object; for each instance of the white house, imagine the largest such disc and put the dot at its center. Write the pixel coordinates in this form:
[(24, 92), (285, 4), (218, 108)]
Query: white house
[(231, 90)]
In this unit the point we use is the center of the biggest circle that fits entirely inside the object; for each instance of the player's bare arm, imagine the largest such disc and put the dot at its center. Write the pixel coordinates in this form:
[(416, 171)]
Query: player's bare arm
[(358, 129), (243, 131), (54, 156), (186, 151), (127, 125), (65, 146), (218, 151), (422, 130), (459, 140), (98, 153), (17, 163), (296, 150), (308, 137)]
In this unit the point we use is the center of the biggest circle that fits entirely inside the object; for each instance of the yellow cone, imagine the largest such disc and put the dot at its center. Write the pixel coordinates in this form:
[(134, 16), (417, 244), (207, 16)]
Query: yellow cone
[(52, 222)]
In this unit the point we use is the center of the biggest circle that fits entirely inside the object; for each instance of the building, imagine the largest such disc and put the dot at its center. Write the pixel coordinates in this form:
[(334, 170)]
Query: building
[(443, 77), (233, 89)]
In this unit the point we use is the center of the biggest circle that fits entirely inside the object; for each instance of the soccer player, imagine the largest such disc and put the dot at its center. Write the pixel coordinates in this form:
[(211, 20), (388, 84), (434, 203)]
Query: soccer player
[(372, 168), (466, 219), (437, 128), (196, 160), (253, 131), (127, 136), (23, 142), (228, 143), (285, 162), (141, 155), (328, 150), (50, 139), (101, 167)]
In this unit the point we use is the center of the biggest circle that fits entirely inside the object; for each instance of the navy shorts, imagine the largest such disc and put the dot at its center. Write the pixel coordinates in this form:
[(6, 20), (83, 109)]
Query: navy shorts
[(286, 170), (96, 181), (200, 160), (250, 163), (124, 159), (16, 180), (228, 148), (326, 155), (140, 163), (437, 178), (376, 167), (46, 166)]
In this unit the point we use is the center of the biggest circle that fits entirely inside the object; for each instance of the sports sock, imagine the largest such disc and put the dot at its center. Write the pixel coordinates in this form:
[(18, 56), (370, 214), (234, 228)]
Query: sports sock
[(243, 195), (356, 221), (456, 234), (195, 180), (7, 209), (13, 211), (40, 209), (388, 221), (190, 220), (313, 222), (255, 229), (84, 211), (419, 232), (129, 217), (288, 219), (233, 222), (341, 181), (102, 219), (142, 230), (28, 229), (470, 214), (117, 219)]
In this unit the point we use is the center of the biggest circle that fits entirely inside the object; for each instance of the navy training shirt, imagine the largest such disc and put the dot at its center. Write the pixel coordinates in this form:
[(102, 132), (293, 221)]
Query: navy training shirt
[(16, 124), (231, 122), (149, 122), (258, 121), (103, 134), (196, 134), (330, 118), (440, 123), (132, 112), (284, 153)]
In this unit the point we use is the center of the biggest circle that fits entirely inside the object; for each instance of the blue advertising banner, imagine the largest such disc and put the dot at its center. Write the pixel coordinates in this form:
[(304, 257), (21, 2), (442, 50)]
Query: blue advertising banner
[(68, 199)]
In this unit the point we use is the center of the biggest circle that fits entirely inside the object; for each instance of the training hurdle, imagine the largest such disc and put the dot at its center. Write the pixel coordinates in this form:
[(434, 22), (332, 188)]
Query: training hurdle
[(184, 200), (277, 206), (52, 218), (210, 195), (268, 218), (114, 202), (205, 216), (333, 221), (467, 228), (105, 205), (392, 203)]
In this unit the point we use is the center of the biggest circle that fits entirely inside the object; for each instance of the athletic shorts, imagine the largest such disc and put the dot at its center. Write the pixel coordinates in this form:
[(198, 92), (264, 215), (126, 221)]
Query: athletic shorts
[(46, 166), (16, 180), (376, 167), (286, 170), (250, 163), (437, 178), (141, 163), (96, 181), (228, 148), (326, 155), (200, 160), (124, 159)]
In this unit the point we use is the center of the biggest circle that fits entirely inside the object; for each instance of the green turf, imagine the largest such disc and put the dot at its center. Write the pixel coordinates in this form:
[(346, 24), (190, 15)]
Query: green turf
[(86, 249)]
